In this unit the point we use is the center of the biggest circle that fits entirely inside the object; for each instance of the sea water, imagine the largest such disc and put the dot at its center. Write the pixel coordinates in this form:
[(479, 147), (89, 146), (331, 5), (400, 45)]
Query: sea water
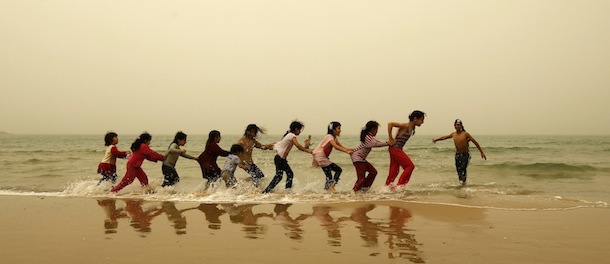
[(520, 173)]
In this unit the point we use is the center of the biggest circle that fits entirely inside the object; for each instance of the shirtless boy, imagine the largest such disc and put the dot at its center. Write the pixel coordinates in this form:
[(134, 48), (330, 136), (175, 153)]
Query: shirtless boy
[(461, 138)]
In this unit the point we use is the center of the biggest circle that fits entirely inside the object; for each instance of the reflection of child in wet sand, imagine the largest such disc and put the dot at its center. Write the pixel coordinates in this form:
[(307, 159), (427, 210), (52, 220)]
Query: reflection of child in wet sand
[(112, 214), (461, 139), (175, 215), (368, 229), (405, 243), (327, 222), (140, 219), (243, 214), (292, 225), (212, 214)]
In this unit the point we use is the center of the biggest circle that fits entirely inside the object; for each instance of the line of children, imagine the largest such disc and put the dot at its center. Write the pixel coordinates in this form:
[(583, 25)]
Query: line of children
[(241, 156)]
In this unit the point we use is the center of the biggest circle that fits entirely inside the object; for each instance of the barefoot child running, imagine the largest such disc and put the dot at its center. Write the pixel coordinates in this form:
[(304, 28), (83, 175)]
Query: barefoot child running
[(367, 142), (322, 151), (141, 151), (170, 176), (461, 139), (398, 158), (107, 168), (248, 142), (231, 164), (283, 147), (207, 160)]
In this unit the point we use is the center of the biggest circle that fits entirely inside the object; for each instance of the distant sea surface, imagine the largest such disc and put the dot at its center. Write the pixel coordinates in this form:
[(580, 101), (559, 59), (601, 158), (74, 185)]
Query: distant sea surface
[(520, 173)]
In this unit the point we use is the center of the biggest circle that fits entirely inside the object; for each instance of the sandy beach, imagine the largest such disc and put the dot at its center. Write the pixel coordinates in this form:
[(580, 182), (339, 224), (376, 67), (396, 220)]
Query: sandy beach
[(88, 230)]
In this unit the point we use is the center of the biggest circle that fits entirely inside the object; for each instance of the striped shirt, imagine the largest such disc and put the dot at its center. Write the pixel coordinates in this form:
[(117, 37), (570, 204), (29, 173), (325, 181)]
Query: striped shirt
[(402, 139), (363, 150)]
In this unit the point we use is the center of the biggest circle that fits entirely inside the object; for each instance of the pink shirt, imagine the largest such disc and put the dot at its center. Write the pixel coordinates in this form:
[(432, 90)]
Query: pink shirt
[(322, 151)]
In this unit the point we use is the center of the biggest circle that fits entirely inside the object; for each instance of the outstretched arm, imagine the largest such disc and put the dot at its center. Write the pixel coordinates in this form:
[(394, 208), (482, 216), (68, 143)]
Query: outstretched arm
[(340, 147), (263, 147), (442, 138), (299, 146), (478, 146), (243, 165)]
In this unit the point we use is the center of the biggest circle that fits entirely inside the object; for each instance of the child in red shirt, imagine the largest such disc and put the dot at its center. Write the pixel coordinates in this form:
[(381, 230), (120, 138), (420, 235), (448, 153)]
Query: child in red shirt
[(141, 151)]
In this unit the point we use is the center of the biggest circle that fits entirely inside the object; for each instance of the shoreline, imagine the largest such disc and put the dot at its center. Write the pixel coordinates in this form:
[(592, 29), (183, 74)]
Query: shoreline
[(39, 229)]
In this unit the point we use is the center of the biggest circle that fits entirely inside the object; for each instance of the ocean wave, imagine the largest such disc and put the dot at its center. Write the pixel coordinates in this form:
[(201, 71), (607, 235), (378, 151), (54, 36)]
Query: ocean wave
[(547, 170), (68, 152), (37, 161), (514, 149), (543, 167)]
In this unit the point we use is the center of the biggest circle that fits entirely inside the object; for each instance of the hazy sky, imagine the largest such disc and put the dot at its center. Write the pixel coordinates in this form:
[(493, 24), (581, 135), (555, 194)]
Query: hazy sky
[(502, 66)]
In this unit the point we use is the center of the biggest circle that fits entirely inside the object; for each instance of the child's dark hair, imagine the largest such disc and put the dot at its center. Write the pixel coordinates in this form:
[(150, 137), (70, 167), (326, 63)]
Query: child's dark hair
[(460, 122), (370, 125), (294, 126), (179, 136), (251, 127), (332, 126), (108, 138), (416, 114), (211, 136), (236, 148), (141, 139)]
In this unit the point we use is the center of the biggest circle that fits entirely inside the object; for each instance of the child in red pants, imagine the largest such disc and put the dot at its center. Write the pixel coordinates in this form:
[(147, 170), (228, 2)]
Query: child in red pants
[(398, 158), (141, 151)]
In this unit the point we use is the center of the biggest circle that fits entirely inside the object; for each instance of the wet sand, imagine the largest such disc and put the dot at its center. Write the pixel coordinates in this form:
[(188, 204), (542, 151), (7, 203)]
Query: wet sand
[(88, 230)]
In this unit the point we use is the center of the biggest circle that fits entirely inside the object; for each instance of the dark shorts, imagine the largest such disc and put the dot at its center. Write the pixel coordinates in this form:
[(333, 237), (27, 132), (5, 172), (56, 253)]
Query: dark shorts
[(170, 176), (461, 164)]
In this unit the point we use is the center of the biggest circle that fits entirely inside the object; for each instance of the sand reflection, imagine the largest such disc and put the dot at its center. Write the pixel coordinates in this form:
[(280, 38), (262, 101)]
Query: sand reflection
[(382, 228)]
